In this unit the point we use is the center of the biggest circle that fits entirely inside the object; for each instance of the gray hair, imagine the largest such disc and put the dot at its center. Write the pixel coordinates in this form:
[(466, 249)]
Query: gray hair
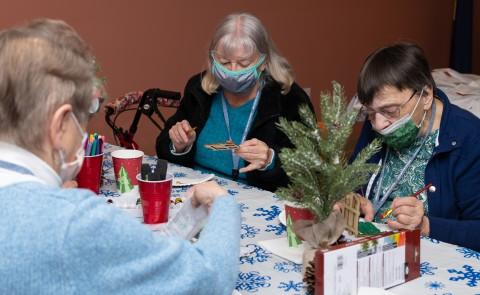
[(243, 30), (44, 65)]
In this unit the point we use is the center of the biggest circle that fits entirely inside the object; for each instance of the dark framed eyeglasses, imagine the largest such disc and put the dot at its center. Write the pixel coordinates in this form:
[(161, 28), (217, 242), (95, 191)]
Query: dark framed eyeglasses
[(389, 112)]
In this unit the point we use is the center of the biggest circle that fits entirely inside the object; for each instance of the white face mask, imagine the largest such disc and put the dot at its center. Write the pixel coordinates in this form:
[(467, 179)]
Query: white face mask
[(69, 171), (402, 121)]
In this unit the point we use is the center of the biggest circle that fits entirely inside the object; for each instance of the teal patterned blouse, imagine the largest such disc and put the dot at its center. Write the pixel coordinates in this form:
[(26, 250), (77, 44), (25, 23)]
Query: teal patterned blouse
[(413, 179)]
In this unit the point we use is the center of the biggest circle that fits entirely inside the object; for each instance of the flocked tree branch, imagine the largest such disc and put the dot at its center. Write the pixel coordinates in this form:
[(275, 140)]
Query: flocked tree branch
[(319, 174)]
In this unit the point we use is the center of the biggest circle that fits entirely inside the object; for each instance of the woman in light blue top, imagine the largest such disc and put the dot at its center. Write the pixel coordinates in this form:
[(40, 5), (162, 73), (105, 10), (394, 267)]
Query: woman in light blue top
[(67, 241)]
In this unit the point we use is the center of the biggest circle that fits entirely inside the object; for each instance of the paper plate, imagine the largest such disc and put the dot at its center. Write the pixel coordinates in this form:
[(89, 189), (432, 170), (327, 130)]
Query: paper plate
[(192, 180)]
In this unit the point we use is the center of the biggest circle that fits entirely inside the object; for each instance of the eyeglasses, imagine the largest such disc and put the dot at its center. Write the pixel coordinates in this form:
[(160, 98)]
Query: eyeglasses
[(243, 62), (389, 112)]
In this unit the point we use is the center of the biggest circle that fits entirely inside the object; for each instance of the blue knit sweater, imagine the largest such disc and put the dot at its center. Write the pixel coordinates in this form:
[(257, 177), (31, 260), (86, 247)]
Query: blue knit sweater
[(59, 241)]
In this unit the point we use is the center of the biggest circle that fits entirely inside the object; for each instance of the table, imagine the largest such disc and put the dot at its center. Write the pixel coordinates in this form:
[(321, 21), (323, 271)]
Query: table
[(445, 268)]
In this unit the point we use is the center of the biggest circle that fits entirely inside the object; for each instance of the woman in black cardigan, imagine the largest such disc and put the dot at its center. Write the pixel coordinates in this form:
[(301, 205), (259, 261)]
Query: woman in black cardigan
[(247, 87)]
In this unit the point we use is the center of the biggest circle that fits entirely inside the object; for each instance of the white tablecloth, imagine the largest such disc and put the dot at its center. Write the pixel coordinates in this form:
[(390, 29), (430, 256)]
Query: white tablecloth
[(446, 269)]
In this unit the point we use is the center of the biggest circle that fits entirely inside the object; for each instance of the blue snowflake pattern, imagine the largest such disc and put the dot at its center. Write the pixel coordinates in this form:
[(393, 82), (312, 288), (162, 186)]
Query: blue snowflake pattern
[(291, 285), (427, 269), (232, 192), (179, 174), (432, 240), (221, 181), (175, 195), (469, 253), (252, 281), (287, 267), (434, 285), (108, 193), (181, 189), (256, 254), (277, 229), (108, 181), (246, 186), (248, 231), (243, 207), (469, 275), (269, 214), (107, 165)]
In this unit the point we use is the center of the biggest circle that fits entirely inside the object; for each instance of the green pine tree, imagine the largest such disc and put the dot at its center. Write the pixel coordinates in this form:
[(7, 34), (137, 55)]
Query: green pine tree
[(319, 172)]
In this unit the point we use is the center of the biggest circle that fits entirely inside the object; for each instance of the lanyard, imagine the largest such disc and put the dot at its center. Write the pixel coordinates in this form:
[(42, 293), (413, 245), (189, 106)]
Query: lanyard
[(235, 158), (377, 202), (15, 167)]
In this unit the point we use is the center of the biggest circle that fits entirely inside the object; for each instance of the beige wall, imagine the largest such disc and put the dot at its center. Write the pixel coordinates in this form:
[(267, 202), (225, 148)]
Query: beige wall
[(152, 43)]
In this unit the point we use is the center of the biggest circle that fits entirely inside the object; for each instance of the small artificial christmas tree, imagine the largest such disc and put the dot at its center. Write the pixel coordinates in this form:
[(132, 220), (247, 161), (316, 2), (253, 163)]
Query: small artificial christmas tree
[(320, 175)]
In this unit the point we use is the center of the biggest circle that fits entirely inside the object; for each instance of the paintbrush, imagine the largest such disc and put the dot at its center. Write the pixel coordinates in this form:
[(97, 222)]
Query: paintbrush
[(415, 195)]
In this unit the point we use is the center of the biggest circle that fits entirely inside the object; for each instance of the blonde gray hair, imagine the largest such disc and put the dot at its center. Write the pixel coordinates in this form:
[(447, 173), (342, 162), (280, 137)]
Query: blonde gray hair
[(44, 65), (243, 30)]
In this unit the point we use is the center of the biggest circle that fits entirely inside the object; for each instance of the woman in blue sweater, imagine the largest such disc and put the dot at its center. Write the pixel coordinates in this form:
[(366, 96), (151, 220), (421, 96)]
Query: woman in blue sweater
[(426, 141), (68, 241)]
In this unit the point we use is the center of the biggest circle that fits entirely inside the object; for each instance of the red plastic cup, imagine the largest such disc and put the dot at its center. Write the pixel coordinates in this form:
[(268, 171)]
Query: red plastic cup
[(155, 197), (298, 213), (131, 160), (90, 174)]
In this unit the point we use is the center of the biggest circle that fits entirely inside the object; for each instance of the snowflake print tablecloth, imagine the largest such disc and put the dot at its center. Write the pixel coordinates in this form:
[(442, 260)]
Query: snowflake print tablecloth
[(445, 269)]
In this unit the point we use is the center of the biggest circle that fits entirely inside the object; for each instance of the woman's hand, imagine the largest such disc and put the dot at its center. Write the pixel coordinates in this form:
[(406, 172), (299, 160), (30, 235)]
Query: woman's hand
[(408, 212), (256, 152), (70, 184), (366, 208), (182, 135), (205, 193)]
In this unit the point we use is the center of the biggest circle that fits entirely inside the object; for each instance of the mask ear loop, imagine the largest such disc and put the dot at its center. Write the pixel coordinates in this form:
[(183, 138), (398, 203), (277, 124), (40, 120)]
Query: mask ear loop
[(424, 113), (423, 119)]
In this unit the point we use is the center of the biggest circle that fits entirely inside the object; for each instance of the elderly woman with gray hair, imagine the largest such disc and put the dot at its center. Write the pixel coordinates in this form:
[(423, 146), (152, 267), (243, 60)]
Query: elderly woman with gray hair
[(67, 241), (247, 86)]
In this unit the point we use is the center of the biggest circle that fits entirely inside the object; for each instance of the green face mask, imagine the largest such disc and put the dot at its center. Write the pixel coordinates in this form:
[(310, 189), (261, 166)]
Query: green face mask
[(403, 132), (401, 137)]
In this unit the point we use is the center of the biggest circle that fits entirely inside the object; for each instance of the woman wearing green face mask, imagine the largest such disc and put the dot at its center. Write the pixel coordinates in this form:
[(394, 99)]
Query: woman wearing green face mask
[(426, 141), (246, 87)]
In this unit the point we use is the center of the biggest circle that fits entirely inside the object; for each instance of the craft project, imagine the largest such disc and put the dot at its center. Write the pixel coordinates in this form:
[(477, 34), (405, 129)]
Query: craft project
[(367, 229), (227, 146), (351, 212)]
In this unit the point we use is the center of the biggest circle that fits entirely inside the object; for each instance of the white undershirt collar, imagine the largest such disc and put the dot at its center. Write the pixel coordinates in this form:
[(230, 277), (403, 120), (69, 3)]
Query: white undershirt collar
[(22, 157)]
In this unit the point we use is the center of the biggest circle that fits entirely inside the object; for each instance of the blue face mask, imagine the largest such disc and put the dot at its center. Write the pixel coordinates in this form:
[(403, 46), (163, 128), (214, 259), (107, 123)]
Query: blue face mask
[(237, 81)]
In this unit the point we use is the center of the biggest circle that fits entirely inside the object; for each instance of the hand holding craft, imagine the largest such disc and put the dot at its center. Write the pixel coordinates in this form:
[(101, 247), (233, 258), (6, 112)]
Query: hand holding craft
[(366, 208), (256, 152), (182, 135), (205, 193)]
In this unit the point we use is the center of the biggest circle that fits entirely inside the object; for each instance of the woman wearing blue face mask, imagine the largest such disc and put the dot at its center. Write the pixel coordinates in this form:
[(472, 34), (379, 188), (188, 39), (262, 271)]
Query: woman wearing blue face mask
[(245, 89), (427, 141)]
